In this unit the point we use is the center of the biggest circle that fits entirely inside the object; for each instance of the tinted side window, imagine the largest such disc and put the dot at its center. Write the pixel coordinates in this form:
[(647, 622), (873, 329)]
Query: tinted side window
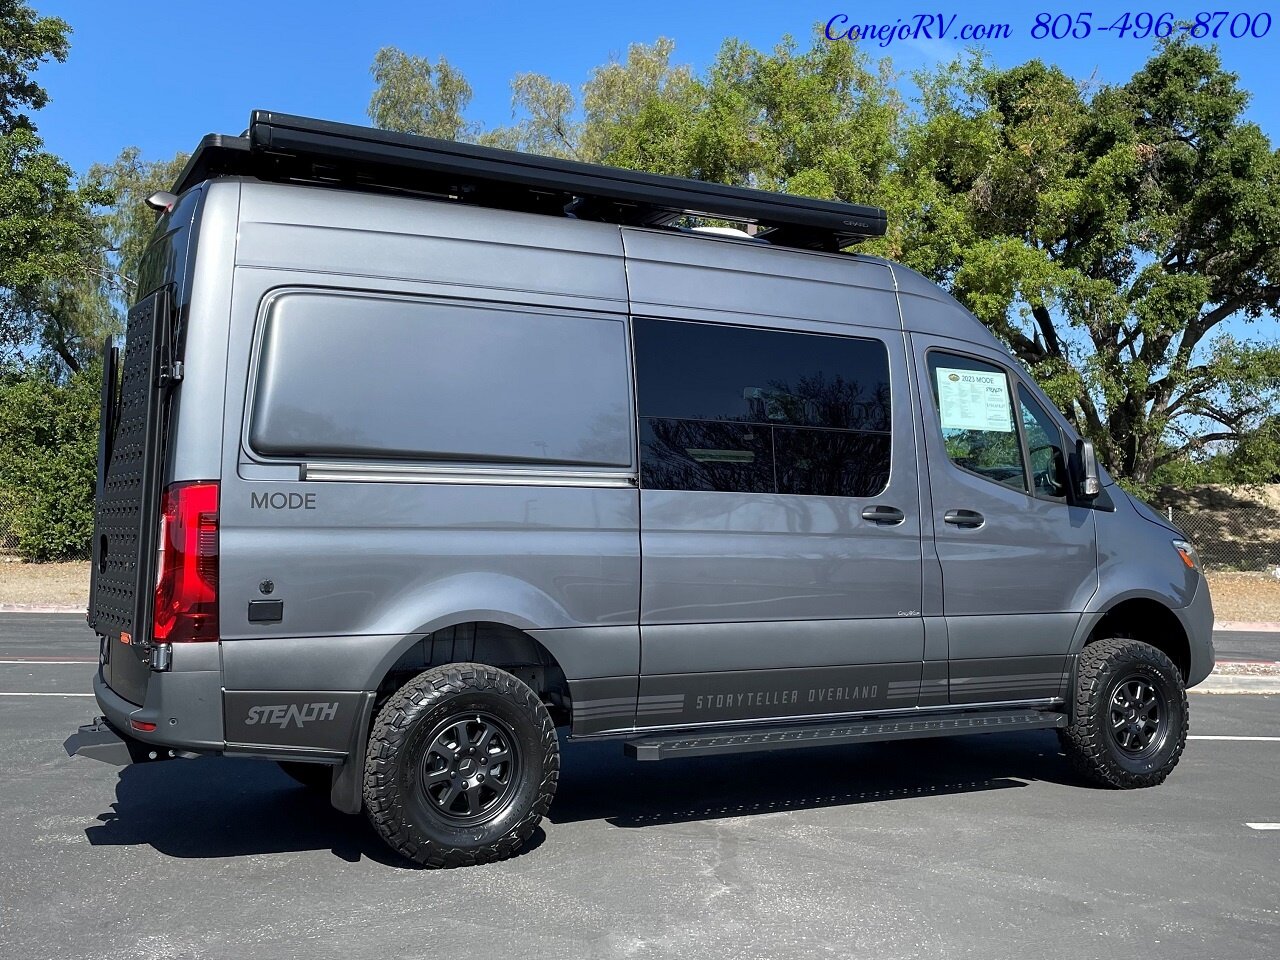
[(975, 412), (761, 411), (1044, 449), (359, 377)]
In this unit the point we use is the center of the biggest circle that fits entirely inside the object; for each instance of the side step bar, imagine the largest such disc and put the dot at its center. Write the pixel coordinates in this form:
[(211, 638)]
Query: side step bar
[(674, 746)]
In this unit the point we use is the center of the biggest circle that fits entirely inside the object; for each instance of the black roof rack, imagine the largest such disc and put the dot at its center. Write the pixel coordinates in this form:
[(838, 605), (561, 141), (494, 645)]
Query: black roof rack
[(279, 146)]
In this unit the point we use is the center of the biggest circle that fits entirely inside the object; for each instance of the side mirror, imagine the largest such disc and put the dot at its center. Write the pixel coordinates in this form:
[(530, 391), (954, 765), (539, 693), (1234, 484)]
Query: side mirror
[(1090, 485)]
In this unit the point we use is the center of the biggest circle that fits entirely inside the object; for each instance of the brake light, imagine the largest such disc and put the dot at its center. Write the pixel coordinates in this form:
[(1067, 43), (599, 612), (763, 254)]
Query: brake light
[(187, 570)]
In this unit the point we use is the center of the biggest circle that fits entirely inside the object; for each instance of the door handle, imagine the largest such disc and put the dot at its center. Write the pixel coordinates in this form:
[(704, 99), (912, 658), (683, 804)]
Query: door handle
[(882, 515), (964, 518)]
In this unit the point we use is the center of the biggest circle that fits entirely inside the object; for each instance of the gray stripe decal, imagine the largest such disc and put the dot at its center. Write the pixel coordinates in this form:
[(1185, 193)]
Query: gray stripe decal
[(1010, 677), (602, 711)]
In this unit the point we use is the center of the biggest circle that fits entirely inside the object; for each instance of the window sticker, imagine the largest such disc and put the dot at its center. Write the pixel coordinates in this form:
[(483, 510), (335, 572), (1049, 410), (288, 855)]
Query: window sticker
[(974, 400)]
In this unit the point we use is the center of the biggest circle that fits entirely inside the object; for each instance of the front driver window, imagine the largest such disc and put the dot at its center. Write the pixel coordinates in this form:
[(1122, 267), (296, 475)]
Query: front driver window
[(975, 410), (1044, 448)]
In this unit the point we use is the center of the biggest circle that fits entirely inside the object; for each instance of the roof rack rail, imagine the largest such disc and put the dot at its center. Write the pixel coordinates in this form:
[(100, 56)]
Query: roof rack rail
[(283, 147)]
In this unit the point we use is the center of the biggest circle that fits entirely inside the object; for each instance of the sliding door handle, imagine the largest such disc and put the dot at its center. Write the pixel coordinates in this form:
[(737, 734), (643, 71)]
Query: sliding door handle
[(964, 518), (882, 515)]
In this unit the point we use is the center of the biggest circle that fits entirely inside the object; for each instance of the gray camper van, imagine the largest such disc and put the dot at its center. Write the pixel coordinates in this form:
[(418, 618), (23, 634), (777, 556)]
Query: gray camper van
[(418, 451)]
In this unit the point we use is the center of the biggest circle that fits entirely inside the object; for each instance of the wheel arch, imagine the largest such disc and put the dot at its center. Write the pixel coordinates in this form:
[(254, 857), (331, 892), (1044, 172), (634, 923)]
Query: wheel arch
[(1142, 617), (502, 642)]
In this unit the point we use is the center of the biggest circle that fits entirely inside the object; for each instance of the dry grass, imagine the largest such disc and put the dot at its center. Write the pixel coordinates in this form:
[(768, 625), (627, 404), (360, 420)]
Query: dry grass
[(1236, 596), (64, 584), (1245, 596)]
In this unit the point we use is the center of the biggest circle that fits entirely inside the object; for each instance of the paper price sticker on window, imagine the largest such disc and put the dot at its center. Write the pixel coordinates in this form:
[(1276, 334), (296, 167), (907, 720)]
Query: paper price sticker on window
[(974, 400)]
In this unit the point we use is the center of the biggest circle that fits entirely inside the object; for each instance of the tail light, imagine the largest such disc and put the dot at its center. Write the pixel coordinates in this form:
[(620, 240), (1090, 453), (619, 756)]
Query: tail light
[(187, 570)]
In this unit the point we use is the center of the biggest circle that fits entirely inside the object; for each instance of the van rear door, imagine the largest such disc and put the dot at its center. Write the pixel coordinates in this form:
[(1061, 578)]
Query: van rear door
[(131, 448), (124, 534)]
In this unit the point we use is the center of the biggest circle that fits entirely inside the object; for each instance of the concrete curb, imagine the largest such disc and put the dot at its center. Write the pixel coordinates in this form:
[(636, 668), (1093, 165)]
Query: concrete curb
[(39, 608), (1238, 684)]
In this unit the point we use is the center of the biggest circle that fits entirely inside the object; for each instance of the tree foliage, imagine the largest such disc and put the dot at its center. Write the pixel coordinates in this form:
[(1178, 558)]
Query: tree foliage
[(1106, 236), (414, 95), (128, 222), (51, 250), (48, 461), (26, 41), (1105, 233)]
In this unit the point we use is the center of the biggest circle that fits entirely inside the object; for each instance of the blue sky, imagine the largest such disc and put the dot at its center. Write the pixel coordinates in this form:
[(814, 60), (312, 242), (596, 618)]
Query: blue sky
[(160, 75)]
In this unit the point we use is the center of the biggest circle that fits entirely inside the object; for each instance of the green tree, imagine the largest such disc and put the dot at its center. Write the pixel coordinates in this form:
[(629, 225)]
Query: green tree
[(26, 41), (128, 222), (51, 264), (1106, 236), (414, 95), (819, 122), (48, 461)]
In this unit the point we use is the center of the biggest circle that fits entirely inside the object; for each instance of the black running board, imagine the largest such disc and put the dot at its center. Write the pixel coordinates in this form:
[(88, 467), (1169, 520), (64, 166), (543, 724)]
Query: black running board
[(673, 746)]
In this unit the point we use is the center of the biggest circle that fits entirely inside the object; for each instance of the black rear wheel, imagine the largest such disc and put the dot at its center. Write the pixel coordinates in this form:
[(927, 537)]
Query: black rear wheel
[(1129, 720), (462, 765)]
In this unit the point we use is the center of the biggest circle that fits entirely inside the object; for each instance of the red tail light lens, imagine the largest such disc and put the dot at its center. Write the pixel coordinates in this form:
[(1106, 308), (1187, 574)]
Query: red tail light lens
[(187, 572)]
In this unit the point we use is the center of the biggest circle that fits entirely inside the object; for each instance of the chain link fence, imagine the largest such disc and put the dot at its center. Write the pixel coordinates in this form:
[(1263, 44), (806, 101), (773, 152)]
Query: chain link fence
[(1240, 538), (8, 535)]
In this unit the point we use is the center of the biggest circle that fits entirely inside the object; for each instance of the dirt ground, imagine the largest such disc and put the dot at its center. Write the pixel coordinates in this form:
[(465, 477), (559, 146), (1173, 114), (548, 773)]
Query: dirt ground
[(1245, 596), (60, 584), (1236, 596)]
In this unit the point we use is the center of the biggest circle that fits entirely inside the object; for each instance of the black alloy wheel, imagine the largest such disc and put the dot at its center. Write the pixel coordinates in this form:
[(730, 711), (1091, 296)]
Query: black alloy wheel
[(1128, 714), (463, 762), (469, 769)]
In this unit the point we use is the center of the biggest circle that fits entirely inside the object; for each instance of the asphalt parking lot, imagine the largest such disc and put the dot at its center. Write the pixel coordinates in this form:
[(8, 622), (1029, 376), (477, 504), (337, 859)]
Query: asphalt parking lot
[(969, 847)]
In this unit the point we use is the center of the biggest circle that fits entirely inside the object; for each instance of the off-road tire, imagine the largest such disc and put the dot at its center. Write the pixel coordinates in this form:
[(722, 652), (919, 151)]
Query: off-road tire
[(313, 776), (396, 795), (1095, 751)]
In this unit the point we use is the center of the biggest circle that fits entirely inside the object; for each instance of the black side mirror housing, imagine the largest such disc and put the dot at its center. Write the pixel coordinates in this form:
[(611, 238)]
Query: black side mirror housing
[(1090, 485)]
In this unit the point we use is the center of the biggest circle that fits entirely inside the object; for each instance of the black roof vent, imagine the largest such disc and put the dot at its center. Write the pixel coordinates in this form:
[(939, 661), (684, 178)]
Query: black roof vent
[(282, 147)]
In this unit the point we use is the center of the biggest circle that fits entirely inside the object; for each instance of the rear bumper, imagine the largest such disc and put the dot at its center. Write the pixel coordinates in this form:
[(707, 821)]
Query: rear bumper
[(184, 706)]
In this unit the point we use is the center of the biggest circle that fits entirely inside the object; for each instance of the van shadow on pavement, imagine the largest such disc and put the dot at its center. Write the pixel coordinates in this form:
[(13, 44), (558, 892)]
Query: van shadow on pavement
[(597, 783), (216, 807)]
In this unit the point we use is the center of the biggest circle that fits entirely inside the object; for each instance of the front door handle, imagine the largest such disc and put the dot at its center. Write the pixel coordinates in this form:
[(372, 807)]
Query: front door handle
[(885, 516), (964, 518)]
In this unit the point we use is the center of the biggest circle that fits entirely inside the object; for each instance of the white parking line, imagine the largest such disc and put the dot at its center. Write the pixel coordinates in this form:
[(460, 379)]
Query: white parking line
[(48, 662), (1263, 826), (1264, 739), (46, 694)]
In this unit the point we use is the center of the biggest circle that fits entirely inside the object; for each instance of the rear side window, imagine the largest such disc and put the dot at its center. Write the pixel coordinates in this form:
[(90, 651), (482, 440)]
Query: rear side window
[(761, 411), (975, 408), (372, 378)]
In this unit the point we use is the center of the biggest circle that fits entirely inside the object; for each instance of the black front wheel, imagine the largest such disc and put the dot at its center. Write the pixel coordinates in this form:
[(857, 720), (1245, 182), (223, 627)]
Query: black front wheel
[(1129, 719), (462, 765)]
